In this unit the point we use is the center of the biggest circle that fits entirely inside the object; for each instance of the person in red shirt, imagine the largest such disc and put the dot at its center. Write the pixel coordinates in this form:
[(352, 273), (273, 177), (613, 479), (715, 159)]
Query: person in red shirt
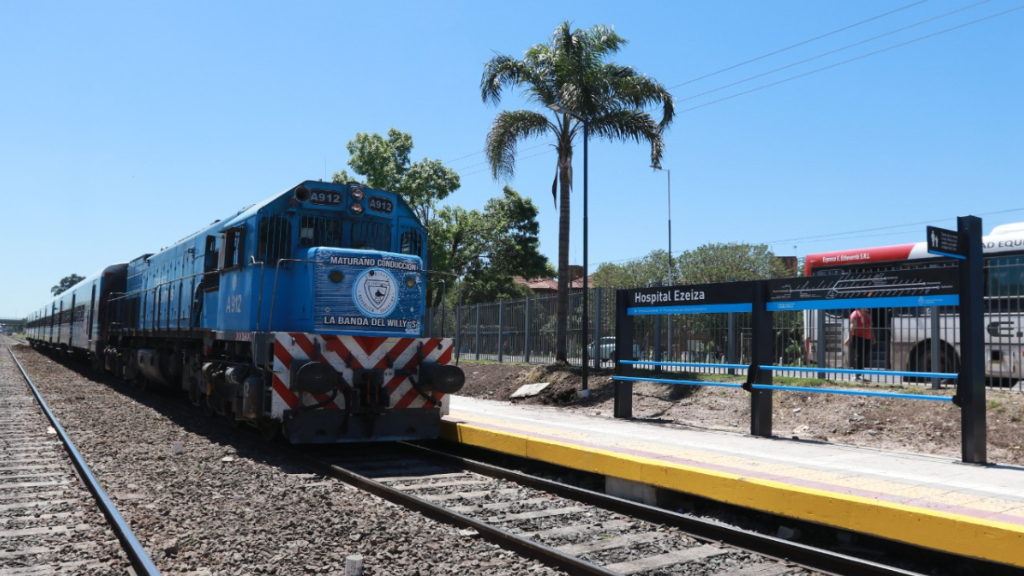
[(861, 337)]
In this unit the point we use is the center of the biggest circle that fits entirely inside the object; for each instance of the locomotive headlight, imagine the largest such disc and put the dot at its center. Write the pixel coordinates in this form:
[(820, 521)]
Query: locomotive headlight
[(336, 276), (358, 193), (357, 208), (410, 281)]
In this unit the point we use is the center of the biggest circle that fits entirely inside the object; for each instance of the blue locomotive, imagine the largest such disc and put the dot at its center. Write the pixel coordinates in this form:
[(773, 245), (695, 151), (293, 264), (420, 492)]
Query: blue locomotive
[(301, 314)]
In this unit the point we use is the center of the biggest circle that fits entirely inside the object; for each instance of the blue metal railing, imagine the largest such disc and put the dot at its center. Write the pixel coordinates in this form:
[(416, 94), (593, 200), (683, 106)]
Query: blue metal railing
[(683, 364), (951, 375), (841, 391)]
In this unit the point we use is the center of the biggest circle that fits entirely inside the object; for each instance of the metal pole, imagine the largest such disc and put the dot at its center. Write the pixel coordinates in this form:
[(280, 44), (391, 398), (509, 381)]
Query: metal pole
[(819, 325), (971, 384), (935, 346), (597, 331), (730, 345), (477, 343), (761, 353), (501, 328), (623, 407), (586, 286), (526, 334)]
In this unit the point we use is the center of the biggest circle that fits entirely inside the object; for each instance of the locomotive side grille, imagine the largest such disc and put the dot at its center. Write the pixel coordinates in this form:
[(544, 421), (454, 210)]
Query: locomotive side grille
[(274, 238)]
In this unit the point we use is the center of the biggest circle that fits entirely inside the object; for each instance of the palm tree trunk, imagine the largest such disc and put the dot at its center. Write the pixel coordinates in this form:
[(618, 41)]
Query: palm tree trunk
[(563, 261)]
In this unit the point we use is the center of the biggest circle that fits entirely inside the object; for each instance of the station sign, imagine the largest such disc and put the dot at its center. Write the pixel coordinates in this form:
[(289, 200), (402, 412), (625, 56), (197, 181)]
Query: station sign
[(884, 289), (944, 242), (691, 299)]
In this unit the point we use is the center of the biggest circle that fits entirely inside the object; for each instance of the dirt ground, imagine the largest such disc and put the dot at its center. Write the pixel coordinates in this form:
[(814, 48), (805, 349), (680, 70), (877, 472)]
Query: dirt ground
[(882, 423)]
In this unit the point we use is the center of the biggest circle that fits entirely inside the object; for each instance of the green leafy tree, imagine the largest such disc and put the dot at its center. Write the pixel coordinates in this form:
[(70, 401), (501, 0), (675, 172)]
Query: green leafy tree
[(647, 271), (486, 249), (384, 163), (729, 262), (66, 282), (570, 70)]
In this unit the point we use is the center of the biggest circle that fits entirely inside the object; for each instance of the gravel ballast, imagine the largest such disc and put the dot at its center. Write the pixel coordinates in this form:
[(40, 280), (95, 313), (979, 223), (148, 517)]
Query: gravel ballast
[(205, 498)]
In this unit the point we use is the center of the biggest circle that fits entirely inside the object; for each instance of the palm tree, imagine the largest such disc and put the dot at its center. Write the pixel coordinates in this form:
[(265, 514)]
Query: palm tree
[(571, 71)]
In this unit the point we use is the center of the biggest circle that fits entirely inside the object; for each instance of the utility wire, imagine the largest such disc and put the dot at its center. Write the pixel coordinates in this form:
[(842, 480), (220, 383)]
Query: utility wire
[(828, 236), (743, 63), (521, 159), (830, 52), (837, 235), (861, 57), (781, 50)]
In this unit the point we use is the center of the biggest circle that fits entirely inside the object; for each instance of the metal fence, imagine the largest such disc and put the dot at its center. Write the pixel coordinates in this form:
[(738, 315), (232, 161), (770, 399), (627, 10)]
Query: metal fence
[(908, 339)]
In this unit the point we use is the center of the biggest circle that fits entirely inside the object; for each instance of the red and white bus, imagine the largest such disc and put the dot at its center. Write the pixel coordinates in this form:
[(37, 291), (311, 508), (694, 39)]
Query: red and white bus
[(926, 339)]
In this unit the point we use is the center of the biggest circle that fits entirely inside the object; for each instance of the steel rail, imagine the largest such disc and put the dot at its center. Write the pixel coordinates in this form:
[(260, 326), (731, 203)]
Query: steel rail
[(807, 556), (137, 555), (503, 538)]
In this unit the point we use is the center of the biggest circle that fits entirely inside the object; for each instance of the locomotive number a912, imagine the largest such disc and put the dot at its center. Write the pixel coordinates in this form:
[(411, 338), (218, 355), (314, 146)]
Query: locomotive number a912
[(325, 198), (382, 205)]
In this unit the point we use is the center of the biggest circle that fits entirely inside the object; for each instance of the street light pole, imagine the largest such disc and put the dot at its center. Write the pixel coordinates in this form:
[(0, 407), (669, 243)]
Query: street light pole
[(584, 329), (669, 173)]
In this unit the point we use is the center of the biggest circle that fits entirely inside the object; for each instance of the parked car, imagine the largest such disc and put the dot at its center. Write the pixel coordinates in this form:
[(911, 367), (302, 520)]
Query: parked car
[(604, 349)]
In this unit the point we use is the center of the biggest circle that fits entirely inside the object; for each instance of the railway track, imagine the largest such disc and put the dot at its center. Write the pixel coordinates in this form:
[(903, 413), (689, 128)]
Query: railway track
[(54, 516), (576, 530)]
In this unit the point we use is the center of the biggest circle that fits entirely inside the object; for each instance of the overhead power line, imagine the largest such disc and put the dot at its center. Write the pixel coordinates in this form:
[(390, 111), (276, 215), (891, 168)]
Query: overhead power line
[(798, 44), (861, 57), (831, 52), (863, 233), (521, 159)]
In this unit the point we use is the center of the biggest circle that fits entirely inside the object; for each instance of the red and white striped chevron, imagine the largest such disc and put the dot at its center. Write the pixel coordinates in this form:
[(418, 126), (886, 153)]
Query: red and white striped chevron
[(366, 352)]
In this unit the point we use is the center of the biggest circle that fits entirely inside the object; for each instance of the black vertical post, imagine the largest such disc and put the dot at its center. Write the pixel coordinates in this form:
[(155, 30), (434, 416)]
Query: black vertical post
[(526, 334), (971, 384), (819, 328), (761, 353), (731, 343), (501, 329), (657, 338), (586, 271), (623, 351), (476, 340), (597, 328)]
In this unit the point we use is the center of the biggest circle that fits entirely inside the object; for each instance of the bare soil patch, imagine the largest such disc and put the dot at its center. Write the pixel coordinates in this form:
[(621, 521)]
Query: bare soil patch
[(882, 423)]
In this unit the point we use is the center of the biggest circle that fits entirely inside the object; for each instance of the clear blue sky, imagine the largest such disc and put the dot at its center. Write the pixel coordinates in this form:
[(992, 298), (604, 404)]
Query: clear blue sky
[(126, 126)]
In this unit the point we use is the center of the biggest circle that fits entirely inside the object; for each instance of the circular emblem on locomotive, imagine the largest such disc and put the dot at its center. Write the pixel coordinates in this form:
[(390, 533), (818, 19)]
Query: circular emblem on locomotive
[(375, 292)]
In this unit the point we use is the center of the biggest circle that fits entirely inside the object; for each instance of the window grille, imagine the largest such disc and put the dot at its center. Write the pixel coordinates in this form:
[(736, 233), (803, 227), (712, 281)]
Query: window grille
[(368, 235), (274, 239), (320, 231), (412, 242)]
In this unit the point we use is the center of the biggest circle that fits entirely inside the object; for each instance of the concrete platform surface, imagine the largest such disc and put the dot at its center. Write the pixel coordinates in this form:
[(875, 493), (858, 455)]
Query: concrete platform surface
[(928, 501)]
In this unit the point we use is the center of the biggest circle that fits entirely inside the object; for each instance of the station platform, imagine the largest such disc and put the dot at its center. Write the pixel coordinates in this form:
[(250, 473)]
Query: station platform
[(928, 501)]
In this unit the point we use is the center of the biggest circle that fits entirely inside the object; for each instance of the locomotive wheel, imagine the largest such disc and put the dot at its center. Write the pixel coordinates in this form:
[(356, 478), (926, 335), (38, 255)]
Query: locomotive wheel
[(209, 405), (270, 430), (230, 415)]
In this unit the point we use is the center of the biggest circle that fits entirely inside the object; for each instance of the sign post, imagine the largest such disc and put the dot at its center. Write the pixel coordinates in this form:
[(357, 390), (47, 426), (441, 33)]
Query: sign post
[(970, 394), (761, 354)]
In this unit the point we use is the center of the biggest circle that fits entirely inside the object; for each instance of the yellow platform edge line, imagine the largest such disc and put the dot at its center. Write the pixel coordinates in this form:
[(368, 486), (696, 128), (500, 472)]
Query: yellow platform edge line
[(972, 537)]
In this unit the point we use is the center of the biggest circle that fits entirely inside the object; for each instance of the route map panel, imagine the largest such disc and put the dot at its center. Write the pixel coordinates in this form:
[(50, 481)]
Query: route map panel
[(886, 289)]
